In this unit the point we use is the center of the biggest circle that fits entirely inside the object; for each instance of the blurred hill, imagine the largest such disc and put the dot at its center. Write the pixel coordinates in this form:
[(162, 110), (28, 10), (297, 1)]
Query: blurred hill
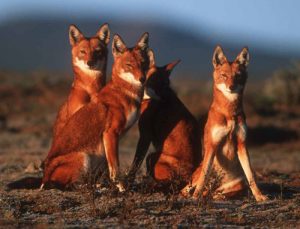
[(32, 43)]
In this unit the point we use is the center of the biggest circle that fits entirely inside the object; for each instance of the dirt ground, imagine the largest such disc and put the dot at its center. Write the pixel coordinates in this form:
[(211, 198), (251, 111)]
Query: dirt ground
[(25, 136)]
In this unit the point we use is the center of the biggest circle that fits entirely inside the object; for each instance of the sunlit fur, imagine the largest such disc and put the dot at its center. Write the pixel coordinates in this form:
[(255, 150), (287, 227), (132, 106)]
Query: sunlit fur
[(129, 77), (94, 131), (89, 61), (225, 149), (96, 71)]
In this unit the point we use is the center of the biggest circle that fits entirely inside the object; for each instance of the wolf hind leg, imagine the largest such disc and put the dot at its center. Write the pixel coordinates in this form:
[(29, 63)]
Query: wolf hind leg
[(66, 170), (231, 189)]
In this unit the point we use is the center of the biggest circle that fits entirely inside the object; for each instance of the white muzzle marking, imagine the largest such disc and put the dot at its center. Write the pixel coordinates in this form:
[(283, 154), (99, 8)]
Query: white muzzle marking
[(87, 70), (129, 77), (149, 93), (229, 94)]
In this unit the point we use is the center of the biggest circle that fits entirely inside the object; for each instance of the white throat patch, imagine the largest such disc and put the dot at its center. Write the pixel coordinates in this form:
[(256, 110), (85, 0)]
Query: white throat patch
[(87, 70), (129, 77), (230, 95), (149, 93)]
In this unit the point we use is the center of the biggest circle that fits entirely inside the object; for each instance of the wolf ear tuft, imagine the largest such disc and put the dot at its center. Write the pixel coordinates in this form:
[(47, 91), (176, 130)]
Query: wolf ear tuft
[(118, 45), (219, 57), (143, 42), (151, 58), (169, 67), (104, 33), (243, 57), (74, 35)]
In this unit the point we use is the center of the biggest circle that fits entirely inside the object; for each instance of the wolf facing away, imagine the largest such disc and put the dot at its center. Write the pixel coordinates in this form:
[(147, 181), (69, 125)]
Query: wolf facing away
[(92, 134), (225, 131), (169, 126), (89, 61)]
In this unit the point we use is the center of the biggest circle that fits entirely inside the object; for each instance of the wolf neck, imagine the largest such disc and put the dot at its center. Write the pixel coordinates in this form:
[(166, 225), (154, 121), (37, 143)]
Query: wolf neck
[(93, 79), (229, 104)]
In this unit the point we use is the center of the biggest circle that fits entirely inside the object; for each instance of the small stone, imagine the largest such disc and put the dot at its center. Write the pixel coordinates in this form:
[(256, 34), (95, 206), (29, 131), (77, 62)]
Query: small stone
[(280, 216), (33, 167)]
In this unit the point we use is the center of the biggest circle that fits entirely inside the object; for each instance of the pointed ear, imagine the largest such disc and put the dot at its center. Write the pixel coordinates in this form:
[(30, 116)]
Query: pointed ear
[(151, 58), (143, 42), (104, 33), (169, 67), (118, 45), (243, 57), (219, 57), (74, 35)]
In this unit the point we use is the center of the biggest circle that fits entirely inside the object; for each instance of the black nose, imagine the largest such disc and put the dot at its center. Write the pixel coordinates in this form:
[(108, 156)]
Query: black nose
[(90, 63), (143, 79), (232, 87)]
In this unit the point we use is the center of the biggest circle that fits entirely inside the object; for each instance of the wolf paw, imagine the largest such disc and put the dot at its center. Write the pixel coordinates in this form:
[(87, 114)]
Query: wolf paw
[(121, 187), (261, 198), (186, 191)]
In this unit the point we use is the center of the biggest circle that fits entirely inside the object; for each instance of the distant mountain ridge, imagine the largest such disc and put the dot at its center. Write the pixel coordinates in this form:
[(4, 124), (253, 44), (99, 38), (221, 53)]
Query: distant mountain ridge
[(42, 43)]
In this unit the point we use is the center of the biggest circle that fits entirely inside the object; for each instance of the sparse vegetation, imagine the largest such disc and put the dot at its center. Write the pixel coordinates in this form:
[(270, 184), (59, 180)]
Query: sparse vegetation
[(283, 88), (28, 107)]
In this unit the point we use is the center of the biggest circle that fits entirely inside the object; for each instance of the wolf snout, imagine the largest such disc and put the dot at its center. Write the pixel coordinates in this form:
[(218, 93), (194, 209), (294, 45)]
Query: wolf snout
[(232, 87), (91, 63), (143, 79)]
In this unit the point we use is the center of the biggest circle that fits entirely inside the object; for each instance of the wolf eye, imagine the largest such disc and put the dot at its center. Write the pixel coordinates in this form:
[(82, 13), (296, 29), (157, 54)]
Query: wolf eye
[(224, 76), (238, 76), (128, 65), (82, 51)]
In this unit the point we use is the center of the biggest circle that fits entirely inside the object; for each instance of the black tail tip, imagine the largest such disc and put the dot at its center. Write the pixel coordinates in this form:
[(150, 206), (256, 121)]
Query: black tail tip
[(25, 183)]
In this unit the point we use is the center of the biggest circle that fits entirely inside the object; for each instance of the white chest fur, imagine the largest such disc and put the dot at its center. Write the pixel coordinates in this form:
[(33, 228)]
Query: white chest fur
[(218, 132)]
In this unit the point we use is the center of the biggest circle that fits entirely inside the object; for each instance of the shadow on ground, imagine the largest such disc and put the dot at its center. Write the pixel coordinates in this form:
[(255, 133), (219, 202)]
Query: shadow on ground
[(261, 135)]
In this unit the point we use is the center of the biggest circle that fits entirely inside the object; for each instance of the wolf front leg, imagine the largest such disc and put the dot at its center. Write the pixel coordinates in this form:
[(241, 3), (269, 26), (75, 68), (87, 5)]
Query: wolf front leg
[(205, 169), (201, 174), (111, 145), (191, 185), (141, 151), (244, 159)]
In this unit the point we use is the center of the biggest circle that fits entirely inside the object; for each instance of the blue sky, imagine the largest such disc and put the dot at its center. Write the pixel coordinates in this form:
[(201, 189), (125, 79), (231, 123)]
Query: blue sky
[(269, 23)]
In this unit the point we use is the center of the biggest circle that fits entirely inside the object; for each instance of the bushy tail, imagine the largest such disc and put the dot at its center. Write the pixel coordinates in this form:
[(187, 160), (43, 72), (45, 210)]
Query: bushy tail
[(26, 183)]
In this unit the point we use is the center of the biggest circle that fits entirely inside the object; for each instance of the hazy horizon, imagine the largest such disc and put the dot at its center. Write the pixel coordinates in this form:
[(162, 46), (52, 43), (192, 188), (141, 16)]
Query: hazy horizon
[(255, 23), (37, 31)]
